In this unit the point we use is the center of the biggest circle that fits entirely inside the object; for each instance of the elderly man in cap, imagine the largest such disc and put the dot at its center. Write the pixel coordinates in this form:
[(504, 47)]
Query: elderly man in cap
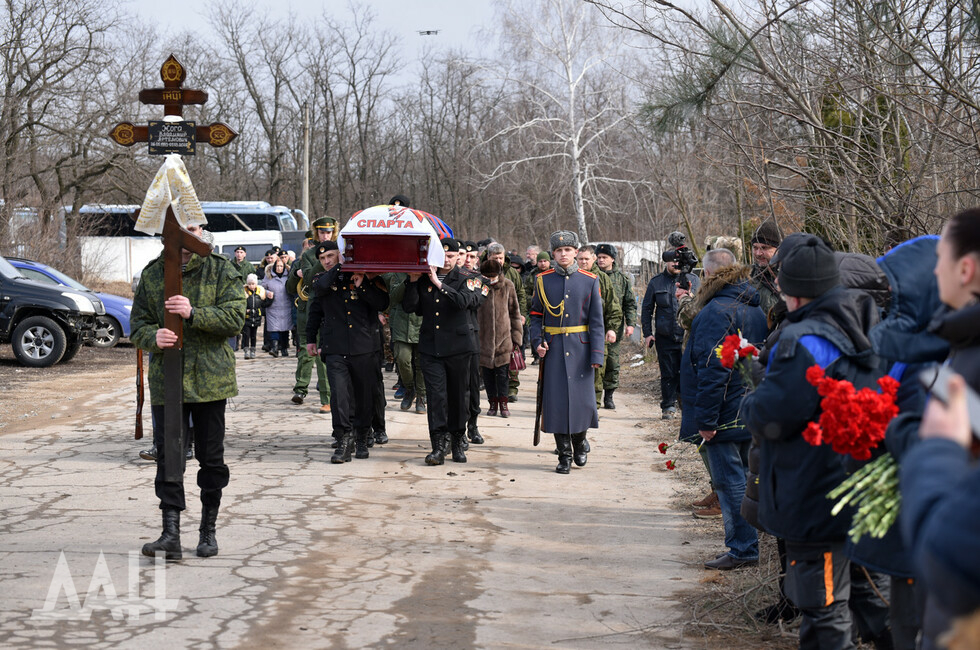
[(300, 283), (567, 332), (826, 325), (445, 299), (765, 242)]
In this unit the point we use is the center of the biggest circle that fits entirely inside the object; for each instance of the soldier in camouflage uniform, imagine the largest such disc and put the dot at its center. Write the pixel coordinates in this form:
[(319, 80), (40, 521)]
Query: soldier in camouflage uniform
[(623, 286), (612, 309), (242, 265), (300, 282), (213, 309)]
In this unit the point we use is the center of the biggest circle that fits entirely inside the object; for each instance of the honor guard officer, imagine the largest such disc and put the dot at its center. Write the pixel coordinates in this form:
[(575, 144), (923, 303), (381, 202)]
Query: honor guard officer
[(300, 281), (344, 312), (567, 331), (444, 299)]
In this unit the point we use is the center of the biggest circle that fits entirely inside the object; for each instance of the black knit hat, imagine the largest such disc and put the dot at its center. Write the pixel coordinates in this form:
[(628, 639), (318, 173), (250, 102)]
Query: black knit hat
[(606, 249), (808, 270), (401, 200), (449, 244), (768, 234), (543, 255)]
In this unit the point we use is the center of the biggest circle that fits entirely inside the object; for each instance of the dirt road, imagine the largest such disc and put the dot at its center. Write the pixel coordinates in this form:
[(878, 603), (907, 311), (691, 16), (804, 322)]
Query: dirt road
[(383, 552)]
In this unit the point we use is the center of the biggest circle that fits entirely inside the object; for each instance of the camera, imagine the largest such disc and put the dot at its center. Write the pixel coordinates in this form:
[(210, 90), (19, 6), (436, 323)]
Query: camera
[(681, 255)]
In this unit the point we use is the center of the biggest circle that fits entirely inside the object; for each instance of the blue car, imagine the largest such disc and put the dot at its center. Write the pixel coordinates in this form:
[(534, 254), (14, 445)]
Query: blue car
[(109, 328)]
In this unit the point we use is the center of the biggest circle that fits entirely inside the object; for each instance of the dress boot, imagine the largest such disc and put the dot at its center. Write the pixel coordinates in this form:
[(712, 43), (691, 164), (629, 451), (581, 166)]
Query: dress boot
[(459, 454), (492, 411), (439, 444), (169, 542), (504, 409), (607, 402), (344, 446), (580, 456), (564, 442), (585, 444), (207, 544), (361, 445)]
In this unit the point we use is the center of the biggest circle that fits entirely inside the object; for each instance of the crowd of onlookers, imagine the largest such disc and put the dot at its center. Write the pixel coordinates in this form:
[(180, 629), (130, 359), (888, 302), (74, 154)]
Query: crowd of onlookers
[(810, 309)]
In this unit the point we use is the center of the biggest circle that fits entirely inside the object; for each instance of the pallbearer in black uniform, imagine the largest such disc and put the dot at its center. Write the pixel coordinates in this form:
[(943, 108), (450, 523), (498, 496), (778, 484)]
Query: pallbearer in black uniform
[(468, 252), (444, 299), (567, 332), (344, 310)]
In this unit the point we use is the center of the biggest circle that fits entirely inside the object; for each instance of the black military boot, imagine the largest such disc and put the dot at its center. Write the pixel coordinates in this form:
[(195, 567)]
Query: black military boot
[(344, 446), (169, 542), (586, 447), (439, 444), (207, 544), (361, 445), (607, 402), (380, 438), (459, 454), (581, 457), (473, 433), (564, 442), (407, 399)]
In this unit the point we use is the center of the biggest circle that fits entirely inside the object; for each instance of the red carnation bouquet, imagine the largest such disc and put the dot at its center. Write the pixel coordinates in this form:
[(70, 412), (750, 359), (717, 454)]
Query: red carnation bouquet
[(854, 422)]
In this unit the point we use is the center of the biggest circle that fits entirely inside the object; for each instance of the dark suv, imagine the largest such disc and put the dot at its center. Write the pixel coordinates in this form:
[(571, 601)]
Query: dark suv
[(44, 323)]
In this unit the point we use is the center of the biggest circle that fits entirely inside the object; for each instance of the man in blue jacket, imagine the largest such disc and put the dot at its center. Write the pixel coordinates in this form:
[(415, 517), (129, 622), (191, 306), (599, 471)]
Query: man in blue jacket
[(712, 394), (658, 318), (826, 325)]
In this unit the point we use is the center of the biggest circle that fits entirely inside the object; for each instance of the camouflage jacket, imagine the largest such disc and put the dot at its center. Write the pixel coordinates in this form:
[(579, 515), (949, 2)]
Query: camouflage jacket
[(623, 286), (215, 290), (514, 276), (243, 269), (404, 326), (612, 308)]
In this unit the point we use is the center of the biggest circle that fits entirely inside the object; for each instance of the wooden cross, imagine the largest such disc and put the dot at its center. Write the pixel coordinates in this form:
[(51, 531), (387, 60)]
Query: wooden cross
[(175, 239), (173, 98)]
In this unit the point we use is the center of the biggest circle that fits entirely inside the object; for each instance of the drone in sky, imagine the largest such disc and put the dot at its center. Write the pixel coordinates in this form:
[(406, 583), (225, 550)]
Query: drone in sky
[(429, 32)]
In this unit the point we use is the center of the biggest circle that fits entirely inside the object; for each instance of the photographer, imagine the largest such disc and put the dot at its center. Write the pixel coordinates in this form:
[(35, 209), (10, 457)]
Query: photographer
[(658, 317)]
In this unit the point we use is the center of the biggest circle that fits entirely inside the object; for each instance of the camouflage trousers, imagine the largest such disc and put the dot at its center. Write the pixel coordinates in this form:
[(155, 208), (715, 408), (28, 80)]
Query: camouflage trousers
[(304, 367)]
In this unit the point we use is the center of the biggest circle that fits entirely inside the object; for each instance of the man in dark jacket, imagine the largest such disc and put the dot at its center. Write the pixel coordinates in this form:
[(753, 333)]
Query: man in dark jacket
[(444, 300), (826, 325), (765, 241), (712, 394), (658, 318), (344, 311)]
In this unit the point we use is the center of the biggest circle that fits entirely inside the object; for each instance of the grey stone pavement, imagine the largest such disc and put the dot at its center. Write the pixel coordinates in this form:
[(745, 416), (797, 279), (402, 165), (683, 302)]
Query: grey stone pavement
[(500, 552)]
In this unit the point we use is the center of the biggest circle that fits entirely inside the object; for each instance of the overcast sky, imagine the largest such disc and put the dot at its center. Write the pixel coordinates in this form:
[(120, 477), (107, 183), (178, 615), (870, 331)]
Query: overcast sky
[(458, 21)]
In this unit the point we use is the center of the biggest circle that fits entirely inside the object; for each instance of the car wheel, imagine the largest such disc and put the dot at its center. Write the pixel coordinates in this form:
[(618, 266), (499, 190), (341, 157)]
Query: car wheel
[(38, 342), (73, 346), (111, 337)]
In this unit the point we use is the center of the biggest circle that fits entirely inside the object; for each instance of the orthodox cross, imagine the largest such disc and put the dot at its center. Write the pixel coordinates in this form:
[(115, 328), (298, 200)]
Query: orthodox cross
[(173, 98), (175, 238)]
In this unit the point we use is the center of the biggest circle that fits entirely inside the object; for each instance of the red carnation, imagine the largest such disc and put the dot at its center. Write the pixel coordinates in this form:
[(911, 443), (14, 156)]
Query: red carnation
[(671, 464), (662, 447)]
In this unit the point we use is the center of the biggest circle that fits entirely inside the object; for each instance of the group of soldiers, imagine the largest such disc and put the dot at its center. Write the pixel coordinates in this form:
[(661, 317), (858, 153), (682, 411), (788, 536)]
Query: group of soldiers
[(579, 309)]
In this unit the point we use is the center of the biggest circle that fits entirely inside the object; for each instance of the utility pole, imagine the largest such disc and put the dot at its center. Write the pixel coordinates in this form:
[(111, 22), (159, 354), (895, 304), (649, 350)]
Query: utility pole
[(306, 159)]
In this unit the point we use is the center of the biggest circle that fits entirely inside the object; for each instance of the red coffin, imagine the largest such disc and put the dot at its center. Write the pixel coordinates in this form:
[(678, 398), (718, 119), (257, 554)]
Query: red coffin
[(386, 253)]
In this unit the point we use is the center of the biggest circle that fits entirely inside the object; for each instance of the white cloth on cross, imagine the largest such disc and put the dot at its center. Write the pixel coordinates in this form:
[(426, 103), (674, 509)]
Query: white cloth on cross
[(170, 187)]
